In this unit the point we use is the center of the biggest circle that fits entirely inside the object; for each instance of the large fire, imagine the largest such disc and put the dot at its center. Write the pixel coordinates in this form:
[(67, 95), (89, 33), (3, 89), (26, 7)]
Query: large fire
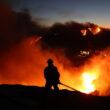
[(29, 59), (86, 85), (92, 78), (84, 82), (25, 60)]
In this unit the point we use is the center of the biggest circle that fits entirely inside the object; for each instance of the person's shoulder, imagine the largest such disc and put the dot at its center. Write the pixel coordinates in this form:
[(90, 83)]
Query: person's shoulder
[(46, 68), (55, 67)]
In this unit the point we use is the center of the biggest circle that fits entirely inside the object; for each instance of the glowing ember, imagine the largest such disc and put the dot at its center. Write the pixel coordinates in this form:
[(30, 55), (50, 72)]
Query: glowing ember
[(88, 85), (84, 31), (98, 30), (95, 30)]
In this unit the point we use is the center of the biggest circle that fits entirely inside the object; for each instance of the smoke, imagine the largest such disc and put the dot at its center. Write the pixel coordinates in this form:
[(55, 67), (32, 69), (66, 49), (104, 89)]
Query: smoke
[(17, 55), (16, 26)]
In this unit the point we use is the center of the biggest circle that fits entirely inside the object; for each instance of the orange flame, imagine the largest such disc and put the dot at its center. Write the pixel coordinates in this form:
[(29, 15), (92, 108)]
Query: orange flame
[(94, 30), (88, 85), (29, 59), (84, 32), (98, 30), (84, 82)]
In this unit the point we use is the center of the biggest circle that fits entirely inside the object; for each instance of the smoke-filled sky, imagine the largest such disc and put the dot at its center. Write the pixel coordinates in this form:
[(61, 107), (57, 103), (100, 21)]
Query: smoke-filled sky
[(50, 11)]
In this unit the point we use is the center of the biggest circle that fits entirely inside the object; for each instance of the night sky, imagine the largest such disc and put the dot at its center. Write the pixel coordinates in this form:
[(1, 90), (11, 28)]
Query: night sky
[(50, 11)]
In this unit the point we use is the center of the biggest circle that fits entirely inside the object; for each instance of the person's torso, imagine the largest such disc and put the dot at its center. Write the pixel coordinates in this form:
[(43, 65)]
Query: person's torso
[(51, 72)]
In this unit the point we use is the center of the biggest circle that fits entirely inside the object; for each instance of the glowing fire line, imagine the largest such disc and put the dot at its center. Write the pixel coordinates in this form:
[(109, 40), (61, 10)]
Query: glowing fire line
[(94, 31)]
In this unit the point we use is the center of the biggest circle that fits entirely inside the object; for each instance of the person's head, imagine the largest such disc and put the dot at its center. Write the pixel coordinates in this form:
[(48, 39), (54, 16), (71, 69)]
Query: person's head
[(50, 61)]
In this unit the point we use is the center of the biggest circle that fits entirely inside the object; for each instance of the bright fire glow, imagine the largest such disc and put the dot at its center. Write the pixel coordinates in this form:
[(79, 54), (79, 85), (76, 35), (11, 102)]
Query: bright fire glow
[(95, 30), (84, 31), (88, 85), (98, 29), (29, 59)]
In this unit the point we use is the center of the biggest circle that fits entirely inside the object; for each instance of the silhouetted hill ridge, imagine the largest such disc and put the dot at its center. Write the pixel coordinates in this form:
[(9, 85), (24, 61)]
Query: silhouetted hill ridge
[(19, 97)]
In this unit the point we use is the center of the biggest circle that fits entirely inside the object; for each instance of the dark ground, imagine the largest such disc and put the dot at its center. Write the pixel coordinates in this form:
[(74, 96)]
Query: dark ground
[(18, 97)]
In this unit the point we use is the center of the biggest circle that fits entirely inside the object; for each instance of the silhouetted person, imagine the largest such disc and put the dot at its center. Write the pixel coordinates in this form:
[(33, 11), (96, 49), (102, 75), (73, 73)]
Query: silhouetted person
[(51, 75)]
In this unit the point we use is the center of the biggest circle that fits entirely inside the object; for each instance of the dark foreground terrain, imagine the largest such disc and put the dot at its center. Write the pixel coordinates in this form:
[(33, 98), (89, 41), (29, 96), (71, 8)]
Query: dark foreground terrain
[(18, 97)]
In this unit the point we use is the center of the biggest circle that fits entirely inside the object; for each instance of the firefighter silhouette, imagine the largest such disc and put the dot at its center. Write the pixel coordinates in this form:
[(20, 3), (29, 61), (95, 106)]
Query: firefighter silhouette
[(51, 75)]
